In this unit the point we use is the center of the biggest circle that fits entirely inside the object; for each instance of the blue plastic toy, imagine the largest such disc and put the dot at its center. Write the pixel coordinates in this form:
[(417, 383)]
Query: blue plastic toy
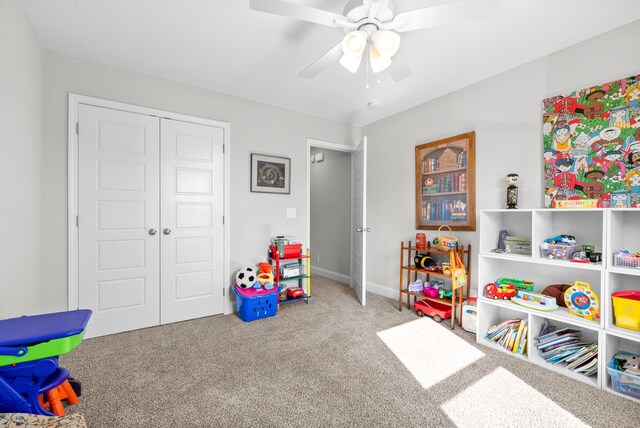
[(564, 239), (29, 350)]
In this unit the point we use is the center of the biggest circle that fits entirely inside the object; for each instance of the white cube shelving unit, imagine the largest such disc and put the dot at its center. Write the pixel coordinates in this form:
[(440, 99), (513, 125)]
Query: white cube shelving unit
[(607, 230)]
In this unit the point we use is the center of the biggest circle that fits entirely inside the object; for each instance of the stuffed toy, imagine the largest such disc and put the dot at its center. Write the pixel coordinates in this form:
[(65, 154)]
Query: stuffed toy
[(265, 276)]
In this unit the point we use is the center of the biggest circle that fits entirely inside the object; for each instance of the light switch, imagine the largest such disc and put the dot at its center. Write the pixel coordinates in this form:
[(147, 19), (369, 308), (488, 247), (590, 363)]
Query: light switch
[(291, 213)]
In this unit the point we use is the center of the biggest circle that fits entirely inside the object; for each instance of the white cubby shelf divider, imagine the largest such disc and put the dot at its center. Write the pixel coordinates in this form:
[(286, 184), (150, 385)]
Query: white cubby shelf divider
[(607, 230)]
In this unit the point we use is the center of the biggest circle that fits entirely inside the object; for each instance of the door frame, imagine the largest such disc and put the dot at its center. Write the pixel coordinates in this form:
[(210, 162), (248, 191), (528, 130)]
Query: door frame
[(72, 187), (311, 142)]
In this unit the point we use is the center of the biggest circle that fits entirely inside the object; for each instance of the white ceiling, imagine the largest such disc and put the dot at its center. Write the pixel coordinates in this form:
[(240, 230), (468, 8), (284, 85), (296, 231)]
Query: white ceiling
[(224, 46)]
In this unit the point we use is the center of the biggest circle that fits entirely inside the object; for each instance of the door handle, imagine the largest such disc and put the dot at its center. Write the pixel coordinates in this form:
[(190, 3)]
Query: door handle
[(166, 231), (152, 231)]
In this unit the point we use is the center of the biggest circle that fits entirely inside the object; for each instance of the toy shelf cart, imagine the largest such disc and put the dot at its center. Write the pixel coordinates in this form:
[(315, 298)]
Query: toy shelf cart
[(283, 277), (409, 272), (29, 350)]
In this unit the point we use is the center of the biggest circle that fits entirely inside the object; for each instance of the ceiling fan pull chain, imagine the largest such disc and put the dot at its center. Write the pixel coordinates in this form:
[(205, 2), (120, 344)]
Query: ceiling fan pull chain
[(367, 87)]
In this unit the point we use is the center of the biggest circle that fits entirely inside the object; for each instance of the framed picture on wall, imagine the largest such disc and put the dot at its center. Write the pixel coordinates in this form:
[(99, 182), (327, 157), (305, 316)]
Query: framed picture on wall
[(445, 183), (270, 174)]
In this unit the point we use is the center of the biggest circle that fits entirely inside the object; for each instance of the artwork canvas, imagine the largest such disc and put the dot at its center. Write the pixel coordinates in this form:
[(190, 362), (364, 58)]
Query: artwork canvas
[(592, 146), (270, 174)]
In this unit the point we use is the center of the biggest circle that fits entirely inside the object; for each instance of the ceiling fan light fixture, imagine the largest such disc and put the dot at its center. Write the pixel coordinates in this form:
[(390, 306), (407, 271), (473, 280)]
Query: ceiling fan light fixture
[(353, 44), (386, 42), (351, 63), (378, 62)]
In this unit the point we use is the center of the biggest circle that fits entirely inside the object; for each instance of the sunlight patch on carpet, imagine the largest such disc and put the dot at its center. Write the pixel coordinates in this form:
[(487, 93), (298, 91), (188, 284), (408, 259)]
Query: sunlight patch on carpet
[(501, 399), (428, 350)]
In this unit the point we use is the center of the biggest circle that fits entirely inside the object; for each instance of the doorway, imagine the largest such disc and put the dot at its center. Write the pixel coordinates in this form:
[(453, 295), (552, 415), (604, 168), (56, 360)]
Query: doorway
[(331, 213), (336, 212)]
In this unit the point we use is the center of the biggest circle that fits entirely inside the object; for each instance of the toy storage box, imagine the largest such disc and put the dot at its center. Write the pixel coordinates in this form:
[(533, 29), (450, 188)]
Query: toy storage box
[(624, 383), (517, 245), (255, 304), (626, 309), (557, 252), (290, 250), (626, 260)]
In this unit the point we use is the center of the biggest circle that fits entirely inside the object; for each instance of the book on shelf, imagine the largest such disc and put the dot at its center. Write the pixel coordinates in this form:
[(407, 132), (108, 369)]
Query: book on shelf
[(565, 339), (564, 346), (510, 334), (556, 333), (522, 338)]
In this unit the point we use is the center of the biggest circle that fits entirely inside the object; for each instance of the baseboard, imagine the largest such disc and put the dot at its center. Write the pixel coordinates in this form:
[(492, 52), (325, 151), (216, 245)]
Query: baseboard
[(330, 274), (378, 289), (381, 290)]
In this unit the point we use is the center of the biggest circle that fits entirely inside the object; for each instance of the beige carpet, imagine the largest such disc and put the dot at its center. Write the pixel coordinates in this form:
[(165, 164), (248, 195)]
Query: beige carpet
[(321, 364)]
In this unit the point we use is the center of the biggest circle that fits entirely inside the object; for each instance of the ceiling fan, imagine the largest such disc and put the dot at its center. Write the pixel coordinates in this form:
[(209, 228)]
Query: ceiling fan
[(373, 25)]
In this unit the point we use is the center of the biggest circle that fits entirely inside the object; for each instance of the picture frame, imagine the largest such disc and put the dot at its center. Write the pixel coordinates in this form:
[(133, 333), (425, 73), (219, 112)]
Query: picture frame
[(270, 174), (445, 183)]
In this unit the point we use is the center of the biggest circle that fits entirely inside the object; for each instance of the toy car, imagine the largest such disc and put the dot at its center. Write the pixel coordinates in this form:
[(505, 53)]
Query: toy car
[(499, 291), (437, 311)]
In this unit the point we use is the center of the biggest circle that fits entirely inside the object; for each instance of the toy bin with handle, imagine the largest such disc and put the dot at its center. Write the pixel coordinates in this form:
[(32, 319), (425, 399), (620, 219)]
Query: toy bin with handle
[(253, 304), (622, 381), (289, 251), (626, 309)]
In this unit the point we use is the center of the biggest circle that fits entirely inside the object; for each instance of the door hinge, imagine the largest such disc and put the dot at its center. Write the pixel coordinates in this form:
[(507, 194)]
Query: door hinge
[(77, 221), (77, 128), (223, 148), (222, 219), (223, 292)]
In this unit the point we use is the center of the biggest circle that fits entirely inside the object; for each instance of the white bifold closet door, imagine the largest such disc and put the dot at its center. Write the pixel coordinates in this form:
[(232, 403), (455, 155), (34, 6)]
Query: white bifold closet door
[(150, 226)]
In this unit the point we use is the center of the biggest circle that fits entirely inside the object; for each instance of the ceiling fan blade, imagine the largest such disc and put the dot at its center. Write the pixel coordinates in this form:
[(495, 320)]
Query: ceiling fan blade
[(444, 14), (332, 56), (399, 70), (377, 6), (373, 8), (296, 11)]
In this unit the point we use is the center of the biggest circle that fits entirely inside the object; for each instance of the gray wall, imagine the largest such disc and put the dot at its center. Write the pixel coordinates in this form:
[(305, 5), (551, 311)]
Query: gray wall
[(505, 112), (21, 118), (255, 217), (331, 213)]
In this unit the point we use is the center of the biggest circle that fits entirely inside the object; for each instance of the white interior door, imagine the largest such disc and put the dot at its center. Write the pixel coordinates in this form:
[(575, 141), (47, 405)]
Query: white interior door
[(118, 188), (359, 221), (192, 220)]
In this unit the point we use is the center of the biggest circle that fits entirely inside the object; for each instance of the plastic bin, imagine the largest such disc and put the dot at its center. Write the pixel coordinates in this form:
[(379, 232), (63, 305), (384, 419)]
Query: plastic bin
[(623, 382), (626, 260), (517, 245), (255, 304), (626, 309), (557, 252), (289, 250)]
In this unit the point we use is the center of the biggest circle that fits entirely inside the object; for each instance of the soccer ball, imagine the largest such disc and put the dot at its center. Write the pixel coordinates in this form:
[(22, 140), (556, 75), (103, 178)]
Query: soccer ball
[(246, 277)]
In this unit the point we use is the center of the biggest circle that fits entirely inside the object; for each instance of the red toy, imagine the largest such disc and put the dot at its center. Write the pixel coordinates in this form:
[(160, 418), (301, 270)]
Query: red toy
[(499, 291), (295, 292), (437, 311)]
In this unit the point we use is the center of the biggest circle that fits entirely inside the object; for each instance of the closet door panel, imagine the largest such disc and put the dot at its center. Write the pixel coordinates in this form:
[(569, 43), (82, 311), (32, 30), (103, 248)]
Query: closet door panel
[(191, 216), (118, 204)]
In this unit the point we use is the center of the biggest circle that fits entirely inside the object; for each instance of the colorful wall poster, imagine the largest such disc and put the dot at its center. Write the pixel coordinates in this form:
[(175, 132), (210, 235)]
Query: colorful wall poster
[(592, 146)]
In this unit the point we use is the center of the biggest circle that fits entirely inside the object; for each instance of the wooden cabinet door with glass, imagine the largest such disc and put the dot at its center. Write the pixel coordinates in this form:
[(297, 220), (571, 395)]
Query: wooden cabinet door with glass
[(445, 183)]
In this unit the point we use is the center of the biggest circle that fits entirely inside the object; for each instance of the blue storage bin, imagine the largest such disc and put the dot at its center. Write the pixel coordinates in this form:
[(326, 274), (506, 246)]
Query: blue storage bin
[(254, 304), (623, 382)]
